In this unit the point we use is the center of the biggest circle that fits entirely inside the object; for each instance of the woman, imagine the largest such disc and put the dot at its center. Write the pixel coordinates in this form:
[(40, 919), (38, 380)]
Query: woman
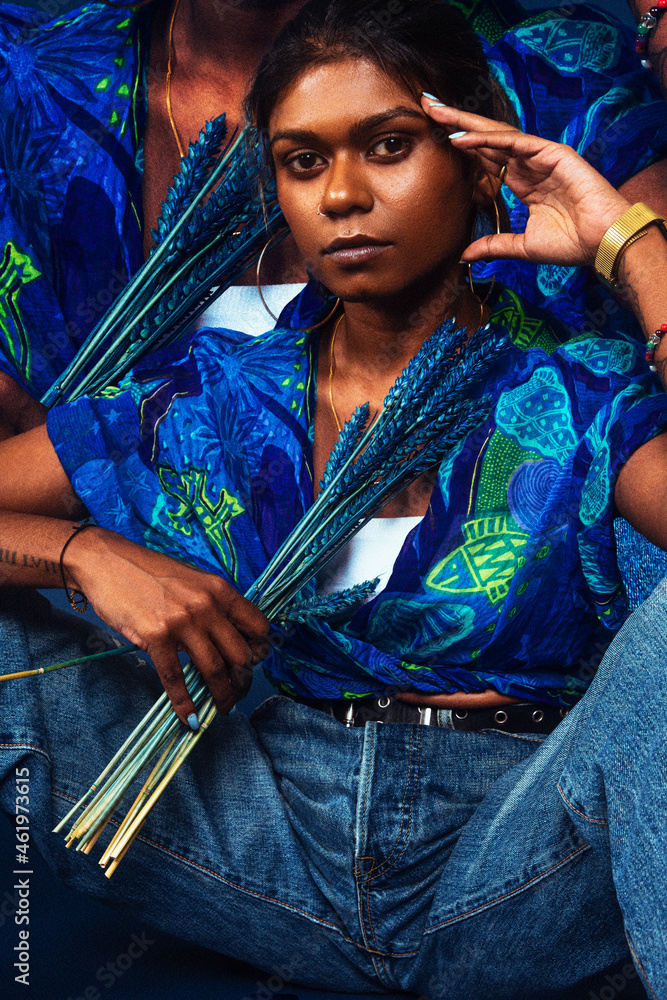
[(101, 103), (418, 857)]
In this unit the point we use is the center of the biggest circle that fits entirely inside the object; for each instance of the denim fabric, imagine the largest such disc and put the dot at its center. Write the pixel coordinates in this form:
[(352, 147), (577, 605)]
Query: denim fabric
[(642, 564), (394, 857)]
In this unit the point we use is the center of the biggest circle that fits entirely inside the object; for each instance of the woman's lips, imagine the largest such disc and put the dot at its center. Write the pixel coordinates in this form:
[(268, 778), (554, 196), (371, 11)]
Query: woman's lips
[(355, 251)]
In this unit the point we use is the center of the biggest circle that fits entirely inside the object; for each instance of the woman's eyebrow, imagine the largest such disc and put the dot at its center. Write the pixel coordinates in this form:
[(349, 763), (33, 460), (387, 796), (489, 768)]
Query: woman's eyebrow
[(373, 121), (358, 129)]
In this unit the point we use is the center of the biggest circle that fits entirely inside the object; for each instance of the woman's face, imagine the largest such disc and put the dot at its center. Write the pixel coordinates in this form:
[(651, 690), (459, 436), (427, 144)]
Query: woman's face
[(394, 200)]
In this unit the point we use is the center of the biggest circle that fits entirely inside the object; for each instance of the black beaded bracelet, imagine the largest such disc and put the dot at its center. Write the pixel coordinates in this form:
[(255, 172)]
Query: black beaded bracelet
[(75, 594), (645, 27)]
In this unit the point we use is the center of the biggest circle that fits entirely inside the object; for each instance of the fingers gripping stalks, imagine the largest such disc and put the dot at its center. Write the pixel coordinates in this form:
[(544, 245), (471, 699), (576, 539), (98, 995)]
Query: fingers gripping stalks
[(165, 607)]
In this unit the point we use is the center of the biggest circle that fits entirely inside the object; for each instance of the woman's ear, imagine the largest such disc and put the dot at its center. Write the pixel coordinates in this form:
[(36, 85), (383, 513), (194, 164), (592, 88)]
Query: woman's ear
[(486, 189)]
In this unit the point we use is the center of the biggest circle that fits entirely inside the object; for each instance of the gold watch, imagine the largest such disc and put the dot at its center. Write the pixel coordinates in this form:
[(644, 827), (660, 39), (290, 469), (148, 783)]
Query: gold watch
[(631, 226)]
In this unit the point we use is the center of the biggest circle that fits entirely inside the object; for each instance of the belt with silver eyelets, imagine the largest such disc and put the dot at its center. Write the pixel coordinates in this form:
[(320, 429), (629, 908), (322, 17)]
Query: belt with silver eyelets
[(517, 717)]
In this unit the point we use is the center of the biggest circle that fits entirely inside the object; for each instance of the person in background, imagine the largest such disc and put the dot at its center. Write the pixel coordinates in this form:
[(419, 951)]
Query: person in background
[(436, 801), (100, 104)]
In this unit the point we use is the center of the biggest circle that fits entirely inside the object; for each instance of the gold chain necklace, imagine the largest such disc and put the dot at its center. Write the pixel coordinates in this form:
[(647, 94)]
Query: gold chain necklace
[(331, 372), (331, 356), (168, 95)]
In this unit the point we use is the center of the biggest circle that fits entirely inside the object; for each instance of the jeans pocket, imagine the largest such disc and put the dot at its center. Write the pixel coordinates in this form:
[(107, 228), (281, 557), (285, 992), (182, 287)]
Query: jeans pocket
[(536, 738), (519, 834), (267, 703)]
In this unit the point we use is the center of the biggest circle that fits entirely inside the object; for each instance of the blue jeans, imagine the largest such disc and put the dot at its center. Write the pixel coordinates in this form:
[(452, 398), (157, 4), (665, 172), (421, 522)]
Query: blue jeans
[(394, 857)]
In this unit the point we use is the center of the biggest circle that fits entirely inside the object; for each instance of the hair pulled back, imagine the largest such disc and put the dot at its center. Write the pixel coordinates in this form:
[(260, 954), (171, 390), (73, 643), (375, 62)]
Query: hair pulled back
[(426, 44)]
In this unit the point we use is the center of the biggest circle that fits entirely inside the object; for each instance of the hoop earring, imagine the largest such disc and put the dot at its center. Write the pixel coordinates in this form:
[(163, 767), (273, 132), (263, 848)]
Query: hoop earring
[(497, 211), (272, 315), (483, 301)]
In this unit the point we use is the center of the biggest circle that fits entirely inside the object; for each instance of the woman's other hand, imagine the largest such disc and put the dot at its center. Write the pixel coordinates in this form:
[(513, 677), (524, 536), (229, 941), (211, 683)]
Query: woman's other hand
[(162, 605), (165, 606), (571, 205)]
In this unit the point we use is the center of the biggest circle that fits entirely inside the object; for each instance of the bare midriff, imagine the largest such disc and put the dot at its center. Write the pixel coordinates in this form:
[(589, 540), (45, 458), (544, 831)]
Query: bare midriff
[(458, 699)]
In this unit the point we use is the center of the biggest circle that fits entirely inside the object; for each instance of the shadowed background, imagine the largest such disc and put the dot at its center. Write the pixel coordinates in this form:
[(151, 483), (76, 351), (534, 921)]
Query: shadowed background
[(72, 938)]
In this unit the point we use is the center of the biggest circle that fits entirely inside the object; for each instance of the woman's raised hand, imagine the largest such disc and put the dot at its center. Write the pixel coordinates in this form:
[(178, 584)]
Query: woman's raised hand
[(164, 606), (571, 205)]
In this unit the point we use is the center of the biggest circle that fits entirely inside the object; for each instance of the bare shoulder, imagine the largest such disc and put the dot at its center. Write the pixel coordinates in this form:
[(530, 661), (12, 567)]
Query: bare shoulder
[(641, 490)]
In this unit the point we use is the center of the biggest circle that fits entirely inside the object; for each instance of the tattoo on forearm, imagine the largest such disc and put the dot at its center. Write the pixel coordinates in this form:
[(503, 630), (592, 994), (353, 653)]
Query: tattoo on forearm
[(12, 558)]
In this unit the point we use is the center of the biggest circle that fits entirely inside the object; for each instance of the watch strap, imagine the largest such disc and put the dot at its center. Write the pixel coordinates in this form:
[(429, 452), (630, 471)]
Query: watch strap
[(630, 227)]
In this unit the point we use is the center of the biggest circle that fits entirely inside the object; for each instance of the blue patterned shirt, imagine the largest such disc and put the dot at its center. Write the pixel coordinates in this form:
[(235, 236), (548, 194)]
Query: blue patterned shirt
[(510, 580)]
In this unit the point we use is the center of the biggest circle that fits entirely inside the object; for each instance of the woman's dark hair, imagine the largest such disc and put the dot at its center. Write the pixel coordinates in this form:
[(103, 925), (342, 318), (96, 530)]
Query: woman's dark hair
[(426, 44)]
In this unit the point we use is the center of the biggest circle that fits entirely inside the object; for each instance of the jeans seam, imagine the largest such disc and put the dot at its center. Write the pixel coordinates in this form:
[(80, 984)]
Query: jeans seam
[(368, 781), (589, 819), (360, 885), (250, 892), (366, 947), (376, 952), (639, 964), (362, 925), (405, 793), (269, 698), (370, 921), (514, 736), (389, 981), (214, 874), (24, 746), (507, 895), (371, 877)]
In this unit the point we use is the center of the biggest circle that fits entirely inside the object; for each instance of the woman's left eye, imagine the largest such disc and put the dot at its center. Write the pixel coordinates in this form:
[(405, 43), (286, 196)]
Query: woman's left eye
[(390, 146)]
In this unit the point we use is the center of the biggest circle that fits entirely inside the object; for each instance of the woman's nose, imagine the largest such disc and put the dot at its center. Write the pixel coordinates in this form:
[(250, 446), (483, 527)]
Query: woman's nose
[(347, 188)]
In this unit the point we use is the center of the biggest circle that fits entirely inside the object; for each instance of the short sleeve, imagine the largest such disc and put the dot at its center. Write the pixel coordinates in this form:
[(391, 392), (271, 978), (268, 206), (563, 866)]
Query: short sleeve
[(491, 18), (149, 459), (33, 337), (99, 444), (633, 410), (579, 80), (110, 445)]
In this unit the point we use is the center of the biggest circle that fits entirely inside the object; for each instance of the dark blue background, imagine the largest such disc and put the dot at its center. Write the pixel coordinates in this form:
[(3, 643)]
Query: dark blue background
[(72, 937)]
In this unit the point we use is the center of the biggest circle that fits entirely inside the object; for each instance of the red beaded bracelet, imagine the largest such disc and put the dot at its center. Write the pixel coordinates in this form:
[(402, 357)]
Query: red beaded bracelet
[(653, 341), (646, 25)]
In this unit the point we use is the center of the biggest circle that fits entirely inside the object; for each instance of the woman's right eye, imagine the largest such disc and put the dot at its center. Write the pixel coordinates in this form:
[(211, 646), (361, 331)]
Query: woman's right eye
[(302, 162)]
